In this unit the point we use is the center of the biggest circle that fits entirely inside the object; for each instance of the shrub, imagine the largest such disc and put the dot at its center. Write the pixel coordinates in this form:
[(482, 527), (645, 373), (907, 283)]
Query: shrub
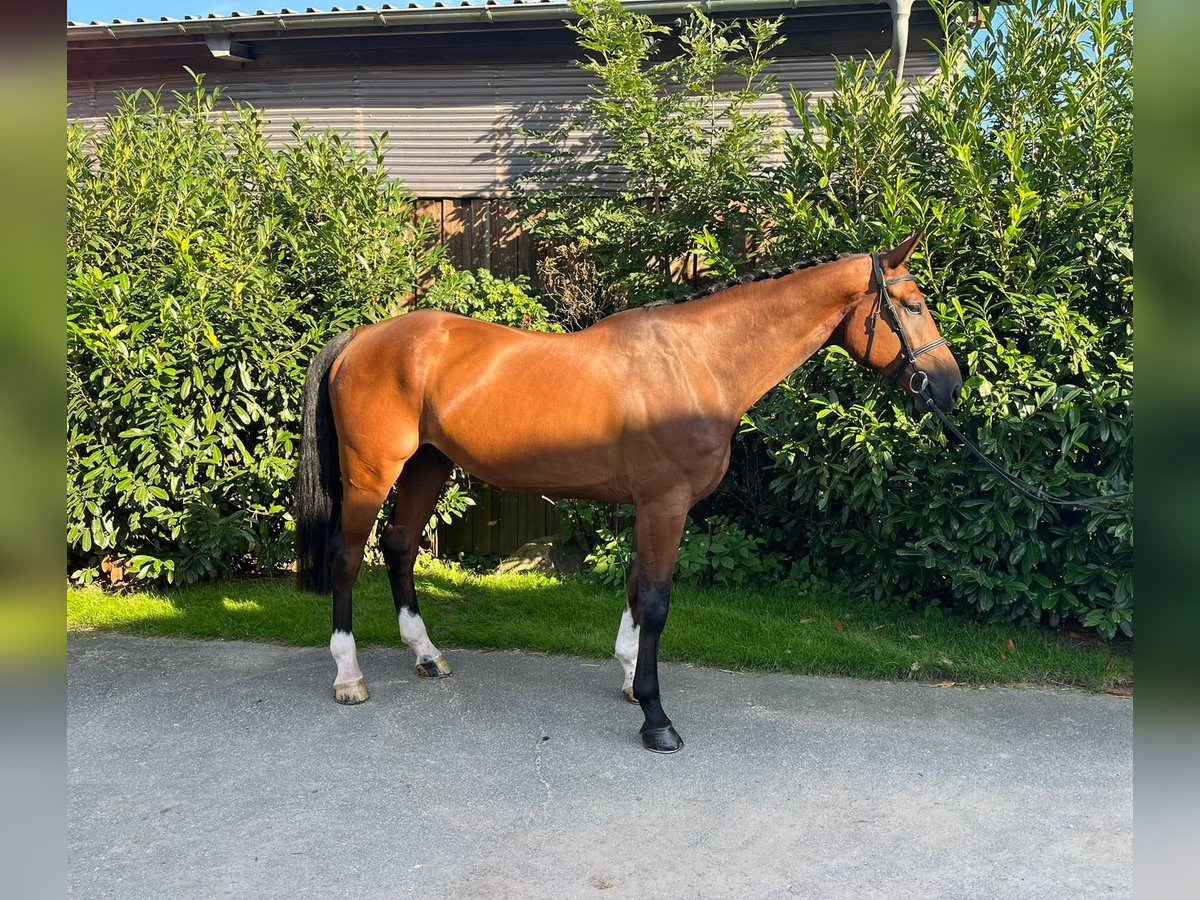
[(680, 145), (1016, 158), (481, 295), (714, 551), (203, 272)]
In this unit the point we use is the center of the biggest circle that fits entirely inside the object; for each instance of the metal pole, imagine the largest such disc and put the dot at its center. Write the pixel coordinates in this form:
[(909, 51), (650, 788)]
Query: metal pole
[(900, 15)]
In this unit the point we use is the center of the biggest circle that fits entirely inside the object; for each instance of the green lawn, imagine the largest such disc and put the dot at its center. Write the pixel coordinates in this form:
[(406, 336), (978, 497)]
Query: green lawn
[(774, 630)]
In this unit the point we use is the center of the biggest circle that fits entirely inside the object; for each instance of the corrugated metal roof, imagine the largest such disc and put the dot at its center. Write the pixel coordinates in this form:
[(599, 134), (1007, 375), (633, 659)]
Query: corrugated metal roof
[(387, 14), (311, 10)]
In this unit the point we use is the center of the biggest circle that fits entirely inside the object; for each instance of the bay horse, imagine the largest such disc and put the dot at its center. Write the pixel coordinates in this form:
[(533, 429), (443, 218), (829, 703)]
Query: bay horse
[(640, 408)]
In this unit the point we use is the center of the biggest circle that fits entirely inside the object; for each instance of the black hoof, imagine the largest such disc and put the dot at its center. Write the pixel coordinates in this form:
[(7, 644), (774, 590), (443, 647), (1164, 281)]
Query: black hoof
[(661, 740)]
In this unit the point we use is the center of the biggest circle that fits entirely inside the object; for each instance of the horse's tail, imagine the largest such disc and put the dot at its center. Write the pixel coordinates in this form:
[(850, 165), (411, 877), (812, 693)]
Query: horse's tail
[(319, 475)]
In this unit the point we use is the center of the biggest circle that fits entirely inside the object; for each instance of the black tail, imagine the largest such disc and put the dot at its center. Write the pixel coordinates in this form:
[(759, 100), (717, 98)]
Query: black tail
[(318, 476)]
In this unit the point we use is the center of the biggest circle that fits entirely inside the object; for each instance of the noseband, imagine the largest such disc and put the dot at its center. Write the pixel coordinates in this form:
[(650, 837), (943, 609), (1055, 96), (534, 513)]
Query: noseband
[(884, 304)]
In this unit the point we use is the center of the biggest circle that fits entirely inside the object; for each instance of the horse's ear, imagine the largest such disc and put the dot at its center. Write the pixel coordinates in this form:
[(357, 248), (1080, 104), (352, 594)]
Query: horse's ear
[(899, 255)]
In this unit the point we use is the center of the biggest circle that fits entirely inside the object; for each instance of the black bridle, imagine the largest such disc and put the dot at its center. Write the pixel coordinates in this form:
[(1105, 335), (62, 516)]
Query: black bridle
[(885, 305), (919, 384)]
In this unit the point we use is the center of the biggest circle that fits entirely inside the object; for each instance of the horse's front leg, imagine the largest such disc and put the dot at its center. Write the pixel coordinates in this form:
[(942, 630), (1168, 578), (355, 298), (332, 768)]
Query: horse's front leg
[(659, 528)]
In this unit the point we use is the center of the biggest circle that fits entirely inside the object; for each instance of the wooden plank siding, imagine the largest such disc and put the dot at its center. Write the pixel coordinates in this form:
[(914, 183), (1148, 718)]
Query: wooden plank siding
[(481, 233), (499, 523), (488, 233)]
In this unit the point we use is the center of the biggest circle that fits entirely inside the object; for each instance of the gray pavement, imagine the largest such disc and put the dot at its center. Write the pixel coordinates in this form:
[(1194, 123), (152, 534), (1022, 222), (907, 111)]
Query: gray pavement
[(200, 769)]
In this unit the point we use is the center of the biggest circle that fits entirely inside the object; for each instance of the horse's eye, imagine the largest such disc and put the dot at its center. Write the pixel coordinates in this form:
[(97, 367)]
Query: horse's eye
[(914, 308)]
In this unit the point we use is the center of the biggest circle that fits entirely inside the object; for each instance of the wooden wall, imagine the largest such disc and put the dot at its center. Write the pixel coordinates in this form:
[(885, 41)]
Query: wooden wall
[(487, 233), (482, 233), (499, 523)]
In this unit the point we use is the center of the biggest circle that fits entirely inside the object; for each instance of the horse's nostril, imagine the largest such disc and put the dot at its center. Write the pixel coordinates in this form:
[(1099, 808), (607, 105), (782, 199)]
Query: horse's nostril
[(956, 393)]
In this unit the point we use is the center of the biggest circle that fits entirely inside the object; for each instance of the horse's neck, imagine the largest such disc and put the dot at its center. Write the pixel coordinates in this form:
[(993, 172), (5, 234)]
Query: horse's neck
[(755, 335)]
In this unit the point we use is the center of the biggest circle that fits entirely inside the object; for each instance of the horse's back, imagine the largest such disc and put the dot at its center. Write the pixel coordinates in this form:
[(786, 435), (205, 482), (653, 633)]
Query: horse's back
[(504, 403), (405, 351)]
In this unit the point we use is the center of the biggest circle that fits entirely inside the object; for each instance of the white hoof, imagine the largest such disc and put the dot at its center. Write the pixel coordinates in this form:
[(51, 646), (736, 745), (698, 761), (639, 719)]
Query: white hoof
[(351, 692), (629, 695), (434, 668)]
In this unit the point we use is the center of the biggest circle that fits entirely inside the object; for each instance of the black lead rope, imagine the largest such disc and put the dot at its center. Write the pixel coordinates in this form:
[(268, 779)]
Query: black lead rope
[(1102, 503), (884, 305)]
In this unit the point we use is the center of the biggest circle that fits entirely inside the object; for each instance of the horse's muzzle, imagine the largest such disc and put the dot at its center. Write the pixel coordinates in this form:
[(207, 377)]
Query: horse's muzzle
[(943, 388)]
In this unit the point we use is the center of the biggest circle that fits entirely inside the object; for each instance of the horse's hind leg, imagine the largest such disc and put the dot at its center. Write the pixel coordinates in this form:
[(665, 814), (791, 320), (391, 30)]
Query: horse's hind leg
[(363, 494), (626, 649), (416, 496)]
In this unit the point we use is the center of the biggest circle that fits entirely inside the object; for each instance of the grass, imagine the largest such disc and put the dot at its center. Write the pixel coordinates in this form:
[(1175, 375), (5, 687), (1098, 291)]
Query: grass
[(774, 630)]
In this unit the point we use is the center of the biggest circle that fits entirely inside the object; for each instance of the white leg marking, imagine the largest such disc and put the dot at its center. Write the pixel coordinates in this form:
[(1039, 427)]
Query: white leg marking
[(627, 648), (345, 654), (412, 630)]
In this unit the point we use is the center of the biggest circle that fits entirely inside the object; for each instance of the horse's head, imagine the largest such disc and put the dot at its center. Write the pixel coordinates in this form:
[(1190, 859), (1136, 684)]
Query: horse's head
[(890, 329)]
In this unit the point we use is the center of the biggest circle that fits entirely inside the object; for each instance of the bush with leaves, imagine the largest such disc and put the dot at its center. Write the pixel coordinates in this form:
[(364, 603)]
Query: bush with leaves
[(481, 295), (673, 170), (678, 145), (204, 270), (714, 551), (1016, 160)]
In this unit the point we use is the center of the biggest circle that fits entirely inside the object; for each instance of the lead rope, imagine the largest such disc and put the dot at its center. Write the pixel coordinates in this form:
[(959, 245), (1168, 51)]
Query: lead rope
[(1101, 503)]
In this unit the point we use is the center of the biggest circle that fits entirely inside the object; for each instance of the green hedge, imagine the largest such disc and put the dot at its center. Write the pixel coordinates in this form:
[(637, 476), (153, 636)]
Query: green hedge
[(1016, 159), (203, 271)]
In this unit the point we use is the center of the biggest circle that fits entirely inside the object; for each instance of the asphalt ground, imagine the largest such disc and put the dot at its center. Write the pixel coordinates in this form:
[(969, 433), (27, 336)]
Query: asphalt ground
[(214, 769)]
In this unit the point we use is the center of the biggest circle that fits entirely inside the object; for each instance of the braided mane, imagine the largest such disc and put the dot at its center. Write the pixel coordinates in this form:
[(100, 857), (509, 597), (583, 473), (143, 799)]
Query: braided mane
[(763, 275)]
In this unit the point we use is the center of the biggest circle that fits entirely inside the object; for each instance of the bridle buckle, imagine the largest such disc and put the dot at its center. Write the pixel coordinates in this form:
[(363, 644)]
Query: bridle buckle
[(918, 389)]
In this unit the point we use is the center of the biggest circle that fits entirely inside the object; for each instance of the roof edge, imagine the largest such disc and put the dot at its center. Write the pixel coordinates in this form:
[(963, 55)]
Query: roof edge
[(491, 12)]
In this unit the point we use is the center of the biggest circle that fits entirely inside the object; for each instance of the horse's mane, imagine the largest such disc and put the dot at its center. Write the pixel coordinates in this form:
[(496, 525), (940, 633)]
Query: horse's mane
[(763, 275)]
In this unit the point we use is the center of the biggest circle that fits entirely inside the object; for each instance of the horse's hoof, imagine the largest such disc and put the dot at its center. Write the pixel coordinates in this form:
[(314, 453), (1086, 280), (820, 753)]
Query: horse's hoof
[(434, 668), (629, 695), (661, 740), (351, 692)]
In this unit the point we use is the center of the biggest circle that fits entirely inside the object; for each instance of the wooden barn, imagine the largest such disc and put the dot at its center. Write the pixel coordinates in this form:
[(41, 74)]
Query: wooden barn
[(454, 85)]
